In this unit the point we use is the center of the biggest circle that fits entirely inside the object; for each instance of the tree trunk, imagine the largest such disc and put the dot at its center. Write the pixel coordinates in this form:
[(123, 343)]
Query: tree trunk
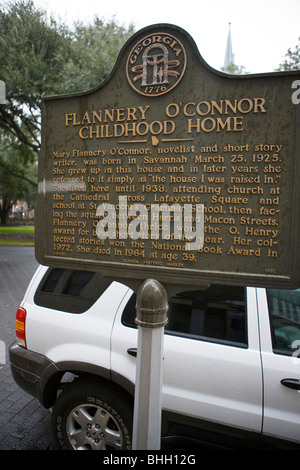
[(5, 205)]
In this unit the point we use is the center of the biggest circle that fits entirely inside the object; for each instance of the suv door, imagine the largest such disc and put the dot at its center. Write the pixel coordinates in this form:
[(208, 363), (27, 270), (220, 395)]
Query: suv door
[(211, 367), (279, 312)]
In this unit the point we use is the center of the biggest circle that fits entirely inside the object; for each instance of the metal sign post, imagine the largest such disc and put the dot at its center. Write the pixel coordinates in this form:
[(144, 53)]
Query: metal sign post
[(152, 308)]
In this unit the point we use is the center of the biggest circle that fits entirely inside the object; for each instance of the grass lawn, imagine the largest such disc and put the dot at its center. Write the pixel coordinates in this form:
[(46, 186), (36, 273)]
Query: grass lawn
[(17, 235)]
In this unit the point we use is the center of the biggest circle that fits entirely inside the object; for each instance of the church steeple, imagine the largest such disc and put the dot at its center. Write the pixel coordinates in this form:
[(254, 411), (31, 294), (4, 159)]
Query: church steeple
[(229, 56)]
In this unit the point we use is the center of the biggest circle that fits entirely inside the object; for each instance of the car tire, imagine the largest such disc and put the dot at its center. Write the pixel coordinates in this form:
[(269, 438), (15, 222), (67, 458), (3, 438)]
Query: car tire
[(93, 416)]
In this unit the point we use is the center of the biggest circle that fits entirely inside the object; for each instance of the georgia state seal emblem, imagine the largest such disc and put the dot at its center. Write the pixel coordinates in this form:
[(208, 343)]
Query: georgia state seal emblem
[(156, 64)]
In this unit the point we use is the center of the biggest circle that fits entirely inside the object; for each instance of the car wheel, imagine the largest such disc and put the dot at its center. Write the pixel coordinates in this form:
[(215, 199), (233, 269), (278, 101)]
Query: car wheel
[(93, 416)]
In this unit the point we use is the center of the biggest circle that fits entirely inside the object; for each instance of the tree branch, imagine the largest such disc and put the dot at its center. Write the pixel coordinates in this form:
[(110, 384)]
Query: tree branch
[(18, 175)]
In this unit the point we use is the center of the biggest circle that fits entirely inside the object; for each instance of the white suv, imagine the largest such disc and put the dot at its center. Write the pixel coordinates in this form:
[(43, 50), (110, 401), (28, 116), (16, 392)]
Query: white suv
[(230, 371)]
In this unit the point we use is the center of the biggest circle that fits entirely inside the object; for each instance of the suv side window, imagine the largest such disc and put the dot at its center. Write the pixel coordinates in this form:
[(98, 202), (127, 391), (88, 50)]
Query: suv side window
[(284, 311), (216, 314), (70, 291)]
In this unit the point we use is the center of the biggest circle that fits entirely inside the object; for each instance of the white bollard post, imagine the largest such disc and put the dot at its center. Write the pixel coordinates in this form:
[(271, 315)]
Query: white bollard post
[(152, 308)]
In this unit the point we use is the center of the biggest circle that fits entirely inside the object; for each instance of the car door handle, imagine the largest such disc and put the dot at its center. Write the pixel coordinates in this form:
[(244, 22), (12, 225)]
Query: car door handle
[(291, 383), (132, 352)]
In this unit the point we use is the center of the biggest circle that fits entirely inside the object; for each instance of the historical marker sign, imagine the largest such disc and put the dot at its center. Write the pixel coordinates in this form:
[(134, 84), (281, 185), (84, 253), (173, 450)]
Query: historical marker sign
[(172, 170)]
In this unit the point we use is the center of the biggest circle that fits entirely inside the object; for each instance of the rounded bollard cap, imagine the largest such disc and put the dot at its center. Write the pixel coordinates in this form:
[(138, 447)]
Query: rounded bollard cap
[(152, 305)]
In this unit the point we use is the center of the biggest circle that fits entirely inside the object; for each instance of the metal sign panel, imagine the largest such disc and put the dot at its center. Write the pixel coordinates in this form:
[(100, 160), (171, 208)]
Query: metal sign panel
[(172, 170)]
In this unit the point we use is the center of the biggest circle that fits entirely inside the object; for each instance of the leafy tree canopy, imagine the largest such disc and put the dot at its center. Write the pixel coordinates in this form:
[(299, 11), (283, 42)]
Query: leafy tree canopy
[(18, 176), (234, 69), (292, 59), (92, 54), (40, 57), (29, 67)]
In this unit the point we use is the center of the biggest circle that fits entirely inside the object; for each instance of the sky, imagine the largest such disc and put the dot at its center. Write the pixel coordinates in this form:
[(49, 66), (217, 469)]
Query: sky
[(261, 30)]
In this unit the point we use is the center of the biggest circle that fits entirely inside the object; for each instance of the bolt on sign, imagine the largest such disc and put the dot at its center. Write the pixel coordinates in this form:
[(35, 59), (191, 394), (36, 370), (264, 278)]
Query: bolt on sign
[(172, 170)]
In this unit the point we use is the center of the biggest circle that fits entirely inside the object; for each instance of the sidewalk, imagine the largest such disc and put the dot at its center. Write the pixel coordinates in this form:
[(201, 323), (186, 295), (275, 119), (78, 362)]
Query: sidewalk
[(24, 423)]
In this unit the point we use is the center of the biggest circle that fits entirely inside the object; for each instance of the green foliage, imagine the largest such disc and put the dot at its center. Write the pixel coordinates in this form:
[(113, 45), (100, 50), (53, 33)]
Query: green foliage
[(18, 174), (29, 44), (93, 53), (292, 59), (39, 57), (28, 50), (233, 69)]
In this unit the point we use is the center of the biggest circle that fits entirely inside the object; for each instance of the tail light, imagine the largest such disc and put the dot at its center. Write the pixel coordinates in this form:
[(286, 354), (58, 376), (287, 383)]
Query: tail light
[(20, 327)]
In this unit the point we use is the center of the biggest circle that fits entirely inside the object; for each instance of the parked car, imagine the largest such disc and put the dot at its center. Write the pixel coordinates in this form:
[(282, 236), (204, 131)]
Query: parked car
[(230, 365)]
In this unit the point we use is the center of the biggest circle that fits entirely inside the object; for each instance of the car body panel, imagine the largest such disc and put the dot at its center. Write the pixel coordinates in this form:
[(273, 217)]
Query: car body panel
[(281, 404), (81, 337), (203, 379)]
